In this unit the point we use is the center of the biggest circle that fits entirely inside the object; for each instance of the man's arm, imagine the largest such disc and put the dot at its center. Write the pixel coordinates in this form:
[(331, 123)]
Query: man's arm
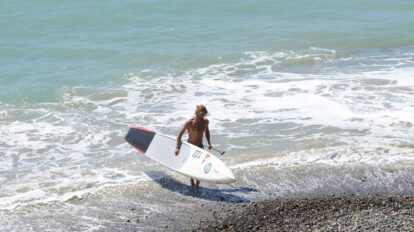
[(207, 132), (179, 136)]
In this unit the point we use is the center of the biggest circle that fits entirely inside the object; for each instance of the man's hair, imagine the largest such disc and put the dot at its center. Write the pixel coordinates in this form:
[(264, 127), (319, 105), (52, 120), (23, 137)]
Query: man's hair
[(201, 108)]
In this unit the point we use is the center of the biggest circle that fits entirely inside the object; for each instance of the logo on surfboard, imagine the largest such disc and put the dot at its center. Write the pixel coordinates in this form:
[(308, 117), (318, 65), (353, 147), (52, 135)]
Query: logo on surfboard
[(207, 168)]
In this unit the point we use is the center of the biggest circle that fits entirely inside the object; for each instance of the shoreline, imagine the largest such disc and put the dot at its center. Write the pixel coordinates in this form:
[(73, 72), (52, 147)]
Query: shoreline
[(326, 213)]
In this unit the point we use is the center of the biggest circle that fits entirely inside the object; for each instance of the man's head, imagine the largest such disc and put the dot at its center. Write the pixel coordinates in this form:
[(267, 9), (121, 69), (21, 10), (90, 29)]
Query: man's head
[(201, 111)]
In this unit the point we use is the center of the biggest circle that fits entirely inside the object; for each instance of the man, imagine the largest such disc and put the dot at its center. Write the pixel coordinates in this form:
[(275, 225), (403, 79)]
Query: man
[(196, 126)]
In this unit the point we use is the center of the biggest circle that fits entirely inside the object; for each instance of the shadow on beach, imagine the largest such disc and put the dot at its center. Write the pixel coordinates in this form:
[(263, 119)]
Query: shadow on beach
[(211, 194)]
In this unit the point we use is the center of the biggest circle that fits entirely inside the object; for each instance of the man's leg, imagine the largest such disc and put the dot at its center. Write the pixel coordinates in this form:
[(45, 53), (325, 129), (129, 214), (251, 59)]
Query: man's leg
[(193, 186), (197, 186)]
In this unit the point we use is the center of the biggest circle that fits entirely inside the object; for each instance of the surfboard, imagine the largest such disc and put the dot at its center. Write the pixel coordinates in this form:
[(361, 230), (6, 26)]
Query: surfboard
[(192, 161)]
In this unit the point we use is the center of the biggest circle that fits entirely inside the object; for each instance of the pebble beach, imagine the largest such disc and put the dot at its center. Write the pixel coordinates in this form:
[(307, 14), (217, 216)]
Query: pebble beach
[(328, 213)]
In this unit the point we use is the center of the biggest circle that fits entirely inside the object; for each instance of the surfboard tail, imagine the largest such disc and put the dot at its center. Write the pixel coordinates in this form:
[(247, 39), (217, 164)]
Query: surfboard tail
[(140, 138)]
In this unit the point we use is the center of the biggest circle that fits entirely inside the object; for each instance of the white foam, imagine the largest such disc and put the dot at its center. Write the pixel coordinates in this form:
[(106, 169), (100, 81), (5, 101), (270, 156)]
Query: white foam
[(368, 154), (63, 186), (308, 95)]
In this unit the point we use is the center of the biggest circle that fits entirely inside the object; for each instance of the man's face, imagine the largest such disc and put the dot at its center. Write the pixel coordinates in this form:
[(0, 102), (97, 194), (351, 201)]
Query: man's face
[(201, 114)]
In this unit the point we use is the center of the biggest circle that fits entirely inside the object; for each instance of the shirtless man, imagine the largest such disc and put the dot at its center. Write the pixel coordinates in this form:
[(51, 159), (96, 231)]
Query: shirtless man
[(196, 126)]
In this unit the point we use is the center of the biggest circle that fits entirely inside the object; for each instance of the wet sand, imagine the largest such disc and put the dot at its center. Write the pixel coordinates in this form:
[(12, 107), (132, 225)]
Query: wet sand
[(328, 213)]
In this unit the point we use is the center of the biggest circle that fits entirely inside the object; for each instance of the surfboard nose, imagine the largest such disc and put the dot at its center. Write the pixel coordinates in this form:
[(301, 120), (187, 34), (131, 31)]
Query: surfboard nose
[(228, 177)]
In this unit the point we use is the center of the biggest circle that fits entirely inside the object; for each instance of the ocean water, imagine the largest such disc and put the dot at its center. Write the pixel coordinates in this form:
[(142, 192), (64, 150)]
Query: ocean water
[(306, 98)]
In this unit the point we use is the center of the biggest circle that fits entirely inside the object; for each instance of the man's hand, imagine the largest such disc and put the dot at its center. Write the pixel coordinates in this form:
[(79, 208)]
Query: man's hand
[(209, 146), (177, 151)]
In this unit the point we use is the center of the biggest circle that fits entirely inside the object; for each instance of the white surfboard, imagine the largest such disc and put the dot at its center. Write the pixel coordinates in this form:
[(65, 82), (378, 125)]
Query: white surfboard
[(192, 161)]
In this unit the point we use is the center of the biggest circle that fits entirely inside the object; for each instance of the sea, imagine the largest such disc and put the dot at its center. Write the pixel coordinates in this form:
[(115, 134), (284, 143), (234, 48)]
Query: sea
[(306, 98)]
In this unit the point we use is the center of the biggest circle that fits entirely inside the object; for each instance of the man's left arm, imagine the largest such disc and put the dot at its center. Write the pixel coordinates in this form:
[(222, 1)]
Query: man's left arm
[(208, 136)]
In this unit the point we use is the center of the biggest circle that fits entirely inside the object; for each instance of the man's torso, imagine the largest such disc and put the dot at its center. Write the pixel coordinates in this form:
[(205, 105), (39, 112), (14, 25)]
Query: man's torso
[(196, 129)]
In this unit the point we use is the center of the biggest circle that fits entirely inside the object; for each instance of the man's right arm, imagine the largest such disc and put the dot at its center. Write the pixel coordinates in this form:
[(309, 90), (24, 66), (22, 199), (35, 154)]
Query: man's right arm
[(179, 136)]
